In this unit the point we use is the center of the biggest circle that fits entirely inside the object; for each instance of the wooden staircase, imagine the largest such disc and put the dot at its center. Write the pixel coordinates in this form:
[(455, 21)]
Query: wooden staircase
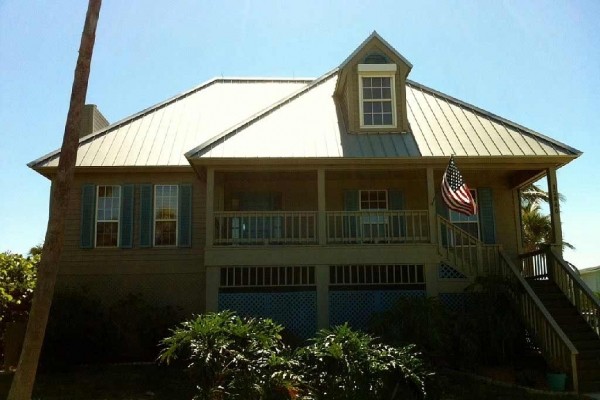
[(577, 329)]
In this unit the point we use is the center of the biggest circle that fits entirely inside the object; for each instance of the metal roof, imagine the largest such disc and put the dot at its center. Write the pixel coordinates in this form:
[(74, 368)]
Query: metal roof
[(308, 124), (161, 134), (287, 118)]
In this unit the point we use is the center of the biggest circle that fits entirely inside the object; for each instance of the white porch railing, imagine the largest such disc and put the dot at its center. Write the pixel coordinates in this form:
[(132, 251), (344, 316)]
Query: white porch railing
[(265, 227), (406, 226)]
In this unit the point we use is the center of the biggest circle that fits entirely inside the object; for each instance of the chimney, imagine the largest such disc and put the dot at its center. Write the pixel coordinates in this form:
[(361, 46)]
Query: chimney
[(91, 120)]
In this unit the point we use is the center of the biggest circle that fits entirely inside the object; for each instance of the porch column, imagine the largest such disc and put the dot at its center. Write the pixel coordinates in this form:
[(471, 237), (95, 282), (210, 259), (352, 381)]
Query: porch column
[(554, 208), (516, 195), (210, 199), (322, 281), (433, 231), (322, 216), (212, 289)]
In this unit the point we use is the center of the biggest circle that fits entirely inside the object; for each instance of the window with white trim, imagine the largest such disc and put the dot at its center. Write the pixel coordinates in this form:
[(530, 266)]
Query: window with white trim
[(166, 200), (377, 95), (108, 209), (374, 223), (468, 223)]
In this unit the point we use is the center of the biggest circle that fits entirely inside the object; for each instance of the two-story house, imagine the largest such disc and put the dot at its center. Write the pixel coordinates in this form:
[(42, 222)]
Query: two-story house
[(313, 202)]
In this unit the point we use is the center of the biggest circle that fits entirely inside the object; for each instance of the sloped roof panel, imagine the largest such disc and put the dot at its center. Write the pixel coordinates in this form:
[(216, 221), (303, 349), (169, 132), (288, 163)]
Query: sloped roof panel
[(161, 135)]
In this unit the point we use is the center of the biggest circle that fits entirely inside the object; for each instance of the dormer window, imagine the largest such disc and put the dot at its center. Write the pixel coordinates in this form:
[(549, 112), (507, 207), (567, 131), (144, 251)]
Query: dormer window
[(377, 95)]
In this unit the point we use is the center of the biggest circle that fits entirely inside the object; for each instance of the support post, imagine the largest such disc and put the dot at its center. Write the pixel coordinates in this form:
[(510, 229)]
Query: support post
[(210, 199), (518, 219), (554, 209), (322, 281), (322, 213), (433, 231), (212, 289), (431, 280)]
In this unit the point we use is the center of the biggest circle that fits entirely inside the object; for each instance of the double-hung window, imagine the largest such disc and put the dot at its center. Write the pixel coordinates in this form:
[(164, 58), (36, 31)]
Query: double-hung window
[(108, 209), (166, 200), (468, 223), (377, 95), (374, 204)]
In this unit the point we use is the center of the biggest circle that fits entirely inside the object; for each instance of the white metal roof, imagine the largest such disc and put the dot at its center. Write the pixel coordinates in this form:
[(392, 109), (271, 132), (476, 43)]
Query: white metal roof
[(281, 118)]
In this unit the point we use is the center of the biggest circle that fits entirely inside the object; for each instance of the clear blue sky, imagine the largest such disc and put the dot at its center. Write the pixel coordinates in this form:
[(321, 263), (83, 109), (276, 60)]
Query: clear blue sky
[(534, 62)]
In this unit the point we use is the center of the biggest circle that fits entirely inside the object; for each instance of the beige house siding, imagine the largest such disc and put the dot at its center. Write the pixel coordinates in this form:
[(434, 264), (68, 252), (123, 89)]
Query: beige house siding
[(172, 276)]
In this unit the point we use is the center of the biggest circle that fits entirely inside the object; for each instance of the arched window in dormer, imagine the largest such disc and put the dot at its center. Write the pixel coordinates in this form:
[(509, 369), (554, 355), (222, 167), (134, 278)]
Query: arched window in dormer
[(376, 58)]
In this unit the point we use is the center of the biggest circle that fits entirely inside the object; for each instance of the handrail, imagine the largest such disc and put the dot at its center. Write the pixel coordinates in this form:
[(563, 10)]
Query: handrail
[(575, 289), (465, 251), (551, 338)]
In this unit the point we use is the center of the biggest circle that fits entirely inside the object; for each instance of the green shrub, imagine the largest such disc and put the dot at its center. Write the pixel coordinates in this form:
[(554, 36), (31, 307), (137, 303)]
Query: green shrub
[(233, 357), (345, 364)]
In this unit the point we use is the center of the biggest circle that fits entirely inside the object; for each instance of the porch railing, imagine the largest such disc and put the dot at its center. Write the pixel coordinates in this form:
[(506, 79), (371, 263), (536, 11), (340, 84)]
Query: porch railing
[(265, 227), (465, 251), (547, 264), (553, 342), (406, 226)]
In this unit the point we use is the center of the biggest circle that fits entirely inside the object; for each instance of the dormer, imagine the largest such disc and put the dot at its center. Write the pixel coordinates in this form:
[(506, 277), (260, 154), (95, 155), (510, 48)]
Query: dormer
[(371, 88)]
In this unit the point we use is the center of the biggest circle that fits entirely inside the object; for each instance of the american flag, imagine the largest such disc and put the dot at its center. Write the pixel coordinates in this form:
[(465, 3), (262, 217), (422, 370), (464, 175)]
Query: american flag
[(455, 192)]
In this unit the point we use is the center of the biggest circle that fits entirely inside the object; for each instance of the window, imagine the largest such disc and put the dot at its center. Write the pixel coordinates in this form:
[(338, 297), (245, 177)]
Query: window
[(108, 208), (165, 215), (377, 95), (468, 223), (374, 223)]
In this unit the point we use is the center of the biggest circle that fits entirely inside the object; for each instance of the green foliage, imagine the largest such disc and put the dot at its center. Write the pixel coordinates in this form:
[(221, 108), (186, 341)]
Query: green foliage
[(17, 282), (345, 364), (423, 321), (487, 331), (233, 357)]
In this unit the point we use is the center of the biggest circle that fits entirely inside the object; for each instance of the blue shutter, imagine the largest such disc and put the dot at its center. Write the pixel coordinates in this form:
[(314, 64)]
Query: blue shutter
[(88, 216), (396, 202), (184, 223), (486, 215), (126, 223), (146, 220), (350, 222)]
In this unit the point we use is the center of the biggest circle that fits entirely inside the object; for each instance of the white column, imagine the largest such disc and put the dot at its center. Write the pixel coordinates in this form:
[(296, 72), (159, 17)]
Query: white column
[(322, 216), (322, 281), (210, 199), (431, 208), (554, 208), (212, 289)]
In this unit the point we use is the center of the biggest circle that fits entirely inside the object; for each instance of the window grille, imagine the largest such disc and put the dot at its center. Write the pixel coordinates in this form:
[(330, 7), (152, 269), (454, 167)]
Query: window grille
[(263, 276), (344, 275)]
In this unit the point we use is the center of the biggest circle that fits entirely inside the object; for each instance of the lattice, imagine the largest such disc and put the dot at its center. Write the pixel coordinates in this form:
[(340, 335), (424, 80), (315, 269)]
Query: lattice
[(447, 272), (296, 311), (357, 306)]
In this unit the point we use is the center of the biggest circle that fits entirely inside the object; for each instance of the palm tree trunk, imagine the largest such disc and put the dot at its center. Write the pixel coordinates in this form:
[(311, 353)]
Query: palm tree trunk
[(23, 380)]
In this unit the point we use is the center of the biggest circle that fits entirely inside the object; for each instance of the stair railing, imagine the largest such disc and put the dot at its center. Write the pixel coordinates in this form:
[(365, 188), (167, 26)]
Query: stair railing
[(578, 293), (553, 342), (464, 251)]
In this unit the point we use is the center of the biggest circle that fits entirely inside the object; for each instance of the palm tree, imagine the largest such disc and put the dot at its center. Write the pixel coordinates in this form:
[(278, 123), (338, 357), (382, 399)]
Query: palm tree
[(537, 227)]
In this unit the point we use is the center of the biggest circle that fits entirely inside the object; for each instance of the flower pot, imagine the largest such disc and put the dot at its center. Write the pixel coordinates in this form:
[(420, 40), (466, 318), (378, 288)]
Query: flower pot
[(557, 381)]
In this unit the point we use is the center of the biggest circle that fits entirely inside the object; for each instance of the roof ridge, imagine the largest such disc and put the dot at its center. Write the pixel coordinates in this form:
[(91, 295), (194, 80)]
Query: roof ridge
[(164, 103), (261, 114), (493, 116)]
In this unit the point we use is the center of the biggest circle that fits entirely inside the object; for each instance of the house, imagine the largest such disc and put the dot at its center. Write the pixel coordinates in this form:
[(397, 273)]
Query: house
[(315, 201), (591, 277)]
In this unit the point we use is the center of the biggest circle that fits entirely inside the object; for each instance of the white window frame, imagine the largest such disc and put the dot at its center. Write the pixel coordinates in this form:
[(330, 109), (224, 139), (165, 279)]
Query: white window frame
[(155, 220), (378, 220), (455, 217), (97, 220), (377, 71)]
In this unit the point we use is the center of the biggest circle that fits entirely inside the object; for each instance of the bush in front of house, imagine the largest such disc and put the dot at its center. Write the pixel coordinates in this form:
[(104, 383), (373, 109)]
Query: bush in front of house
[(344, 364), (234, 357), (83, 330), (17, 282)]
